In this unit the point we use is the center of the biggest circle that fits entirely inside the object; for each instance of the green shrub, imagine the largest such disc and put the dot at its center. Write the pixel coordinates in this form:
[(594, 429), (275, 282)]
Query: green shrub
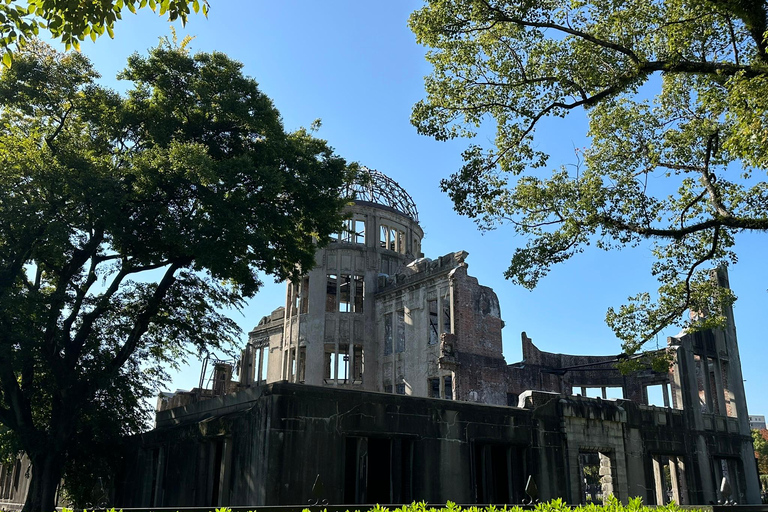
[(611, 505)]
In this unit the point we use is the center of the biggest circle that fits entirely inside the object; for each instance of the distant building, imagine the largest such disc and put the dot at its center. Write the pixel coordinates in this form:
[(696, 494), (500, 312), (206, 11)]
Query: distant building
[(756, 422)]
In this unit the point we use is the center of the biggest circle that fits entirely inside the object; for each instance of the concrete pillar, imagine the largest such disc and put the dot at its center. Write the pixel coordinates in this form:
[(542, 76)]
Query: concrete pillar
[(658, 478)]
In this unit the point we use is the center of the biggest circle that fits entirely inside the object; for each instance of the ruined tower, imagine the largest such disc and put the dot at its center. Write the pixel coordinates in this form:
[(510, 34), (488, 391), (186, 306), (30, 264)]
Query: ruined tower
[(325, 334)]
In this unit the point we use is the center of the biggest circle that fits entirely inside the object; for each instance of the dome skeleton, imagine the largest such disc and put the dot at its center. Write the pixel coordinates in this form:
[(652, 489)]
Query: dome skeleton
[(373, 186)]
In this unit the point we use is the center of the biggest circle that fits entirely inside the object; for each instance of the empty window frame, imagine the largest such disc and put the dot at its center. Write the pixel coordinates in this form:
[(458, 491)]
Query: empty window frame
[(392, 238), (448, 388), (669, 479), (728, 395), (604, 392), (387, 334), (400, 319), (447, 324), (303, 305), (299, 293), (331, 293), (434, 334), (348, 231), (345, 293), (498, 473), (342, 363), (359, 235), (328, 360), (731, 470), (292, 375), (293, 299), (359, 293), (357, 363), (378, 470), (712, 371), (590, 478), (262, 355), (657, 394), (301, 370), (433, 386)]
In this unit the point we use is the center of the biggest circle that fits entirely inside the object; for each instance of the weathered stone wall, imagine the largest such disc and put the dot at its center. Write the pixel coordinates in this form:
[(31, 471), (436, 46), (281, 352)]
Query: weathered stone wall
[(267, 446)]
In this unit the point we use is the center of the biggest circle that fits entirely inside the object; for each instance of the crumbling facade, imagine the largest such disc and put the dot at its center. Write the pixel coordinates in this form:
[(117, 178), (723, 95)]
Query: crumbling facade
[(317, 397)]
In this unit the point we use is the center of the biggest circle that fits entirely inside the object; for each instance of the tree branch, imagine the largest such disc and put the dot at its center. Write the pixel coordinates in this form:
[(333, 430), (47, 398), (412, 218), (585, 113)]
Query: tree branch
[(145, 317)]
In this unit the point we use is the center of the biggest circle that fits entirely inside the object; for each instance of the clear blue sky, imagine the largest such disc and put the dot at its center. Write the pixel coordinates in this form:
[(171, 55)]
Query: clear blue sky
[(357, 67)]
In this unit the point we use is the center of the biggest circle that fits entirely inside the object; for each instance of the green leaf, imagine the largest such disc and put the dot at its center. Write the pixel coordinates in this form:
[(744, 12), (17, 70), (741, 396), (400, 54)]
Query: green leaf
[(7, 58)]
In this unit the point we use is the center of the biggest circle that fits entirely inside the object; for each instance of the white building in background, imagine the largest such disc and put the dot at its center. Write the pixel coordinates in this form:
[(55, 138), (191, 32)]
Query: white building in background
[(756, 422)]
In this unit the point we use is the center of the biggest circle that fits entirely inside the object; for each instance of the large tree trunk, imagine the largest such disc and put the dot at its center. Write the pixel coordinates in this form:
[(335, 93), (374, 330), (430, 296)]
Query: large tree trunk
[(47, 470)]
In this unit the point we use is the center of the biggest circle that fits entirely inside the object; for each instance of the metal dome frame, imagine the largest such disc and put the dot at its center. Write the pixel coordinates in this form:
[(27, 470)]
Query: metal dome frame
[(376, 187)]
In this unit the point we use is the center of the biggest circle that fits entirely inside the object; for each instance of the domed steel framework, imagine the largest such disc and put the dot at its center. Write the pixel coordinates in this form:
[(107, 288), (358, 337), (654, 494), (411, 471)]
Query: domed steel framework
[(376, 187)]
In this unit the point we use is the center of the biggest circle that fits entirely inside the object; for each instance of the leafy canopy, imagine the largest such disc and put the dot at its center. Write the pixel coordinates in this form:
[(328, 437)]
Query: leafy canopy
[(126, 225), (760, 444), (73, 21), (676, 93)]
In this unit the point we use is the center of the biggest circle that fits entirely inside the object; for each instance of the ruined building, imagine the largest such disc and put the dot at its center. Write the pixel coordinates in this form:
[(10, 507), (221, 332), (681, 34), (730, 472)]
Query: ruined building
[(382, 379)]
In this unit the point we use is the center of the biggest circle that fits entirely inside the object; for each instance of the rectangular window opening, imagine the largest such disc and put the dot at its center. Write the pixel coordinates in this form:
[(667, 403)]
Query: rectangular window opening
[(728, 397), (590, 478), (304, 296), (302, 364), (387, 334), (347, 233), (359, 231), (359, 293), (434, 335), (657, 394), (400, 317), (713, 394), (357, 367), (448, 387), (345, 293), (447, 315), (434, 387), (263, 361), (330, 351), (330, 293), (342, 363)]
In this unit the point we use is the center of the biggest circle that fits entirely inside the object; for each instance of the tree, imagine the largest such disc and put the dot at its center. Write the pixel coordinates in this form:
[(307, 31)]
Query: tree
[(760, 442), (126, 224), (676, 94), (72, 22)]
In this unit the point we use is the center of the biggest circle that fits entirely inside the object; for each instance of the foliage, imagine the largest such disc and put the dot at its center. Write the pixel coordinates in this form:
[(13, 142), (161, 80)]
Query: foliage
[(676, 94), (72, 22), (127, 224), (557, 505), (760, 443)]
